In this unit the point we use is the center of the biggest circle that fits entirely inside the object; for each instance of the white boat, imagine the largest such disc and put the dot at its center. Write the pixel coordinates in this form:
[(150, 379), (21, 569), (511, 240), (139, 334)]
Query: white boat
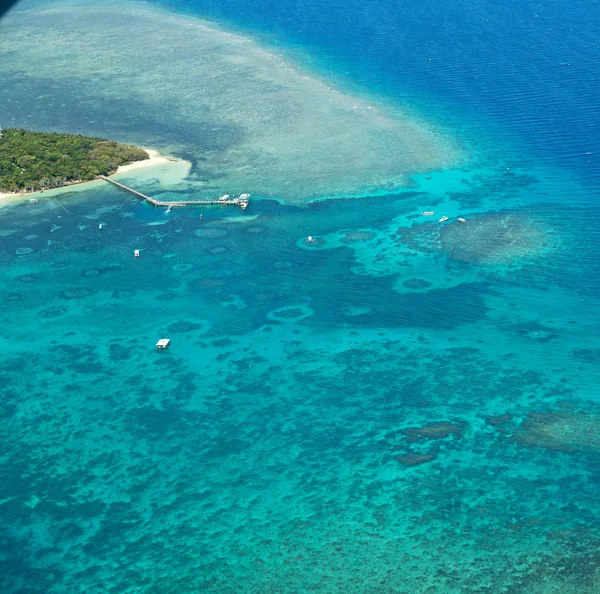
[(460, 220), (244, 198), (428, 213), (224, 197), (443, 219)]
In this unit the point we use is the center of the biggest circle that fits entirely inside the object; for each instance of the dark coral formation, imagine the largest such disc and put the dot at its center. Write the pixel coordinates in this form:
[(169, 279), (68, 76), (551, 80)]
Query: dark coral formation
[(421, 238), (498, 420), (184, 326), (591, 355), (52, 312), (414, 459), (439, 430), (110, 268), (119, 352), (27, 278)]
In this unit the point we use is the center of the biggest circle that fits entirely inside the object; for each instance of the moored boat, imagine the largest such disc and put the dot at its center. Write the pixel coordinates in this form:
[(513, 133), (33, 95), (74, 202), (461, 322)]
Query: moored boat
[(244, 199)]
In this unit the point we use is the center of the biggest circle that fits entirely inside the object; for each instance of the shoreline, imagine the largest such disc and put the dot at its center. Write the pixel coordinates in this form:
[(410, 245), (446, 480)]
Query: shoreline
[(154, 158)]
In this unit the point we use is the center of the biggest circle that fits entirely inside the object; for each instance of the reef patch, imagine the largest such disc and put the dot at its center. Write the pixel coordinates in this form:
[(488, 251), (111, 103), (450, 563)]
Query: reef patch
[(439, 430)]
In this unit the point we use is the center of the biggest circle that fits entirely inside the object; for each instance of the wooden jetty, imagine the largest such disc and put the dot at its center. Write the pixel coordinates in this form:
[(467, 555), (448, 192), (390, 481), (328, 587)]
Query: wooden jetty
[(242, 200)]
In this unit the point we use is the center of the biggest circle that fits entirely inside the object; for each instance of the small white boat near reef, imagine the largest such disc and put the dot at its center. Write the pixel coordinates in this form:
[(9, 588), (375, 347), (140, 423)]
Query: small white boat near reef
[(428, 213), (461, 220), (443, 219), (244, 199)]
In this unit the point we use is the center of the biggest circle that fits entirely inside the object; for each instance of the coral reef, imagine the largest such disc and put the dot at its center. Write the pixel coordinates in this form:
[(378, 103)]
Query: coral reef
[(438, 430), (356, 236), (561, 430), (413, 459), (492, 239), (499, 420), (497, 238)]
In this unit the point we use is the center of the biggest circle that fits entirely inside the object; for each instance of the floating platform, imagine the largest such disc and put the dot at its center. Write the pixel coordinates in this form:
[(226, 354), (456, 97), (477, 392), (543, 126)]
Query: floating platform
[(242, 200), (163, 343)]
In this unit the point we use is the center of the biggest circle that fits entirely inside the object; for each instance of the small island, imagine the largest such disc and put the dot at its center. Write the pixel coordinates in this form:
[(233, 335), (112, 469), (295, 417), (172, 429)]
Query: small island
[(33, 161)]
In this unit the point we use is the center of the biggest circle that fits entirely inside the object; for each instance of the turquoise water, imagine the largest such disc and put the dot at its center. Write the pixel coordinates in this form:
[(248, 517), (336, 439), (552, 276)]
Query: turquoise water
[(400, 406)]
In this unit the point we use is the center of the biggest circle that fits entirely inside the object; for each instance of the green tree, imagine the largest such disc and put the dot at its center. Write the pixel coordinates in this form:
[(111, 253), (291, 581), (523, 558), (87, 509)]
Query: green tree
[(38, 160)]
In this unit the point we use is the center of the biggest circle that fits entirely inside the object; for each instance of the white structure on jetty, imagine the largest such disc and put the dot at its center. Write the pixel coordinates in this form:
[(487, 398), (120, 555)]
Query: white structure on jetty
[(242, 200)]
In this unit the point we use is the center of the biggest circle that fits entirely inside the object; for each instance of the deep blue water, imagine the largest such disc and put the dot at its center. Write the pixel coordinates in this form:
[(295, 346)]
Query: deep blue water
[(529, 68)]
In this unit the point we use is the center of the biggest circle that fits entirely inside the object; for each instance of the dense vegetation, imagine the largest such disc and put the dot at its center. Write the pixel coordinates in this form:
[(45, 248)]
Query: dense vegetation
[(36, 160)]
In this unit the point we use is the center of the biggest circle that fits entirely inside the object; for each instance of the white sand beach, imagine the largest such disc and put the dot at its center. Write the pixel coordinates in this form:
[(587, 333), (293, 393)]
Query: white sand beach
[(155, 158)]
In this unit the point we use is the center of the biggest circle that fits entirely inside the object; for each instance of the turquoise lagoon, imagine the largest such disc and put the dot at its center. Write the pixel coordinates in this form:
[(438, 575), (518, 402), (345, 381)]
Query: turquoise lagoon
[(400, 406)]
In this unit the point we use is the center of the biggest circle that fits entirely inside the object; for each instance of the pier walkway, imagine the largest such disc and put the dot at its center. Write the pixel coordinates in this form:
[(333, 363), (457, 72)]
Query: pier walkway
[(241, 200)]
